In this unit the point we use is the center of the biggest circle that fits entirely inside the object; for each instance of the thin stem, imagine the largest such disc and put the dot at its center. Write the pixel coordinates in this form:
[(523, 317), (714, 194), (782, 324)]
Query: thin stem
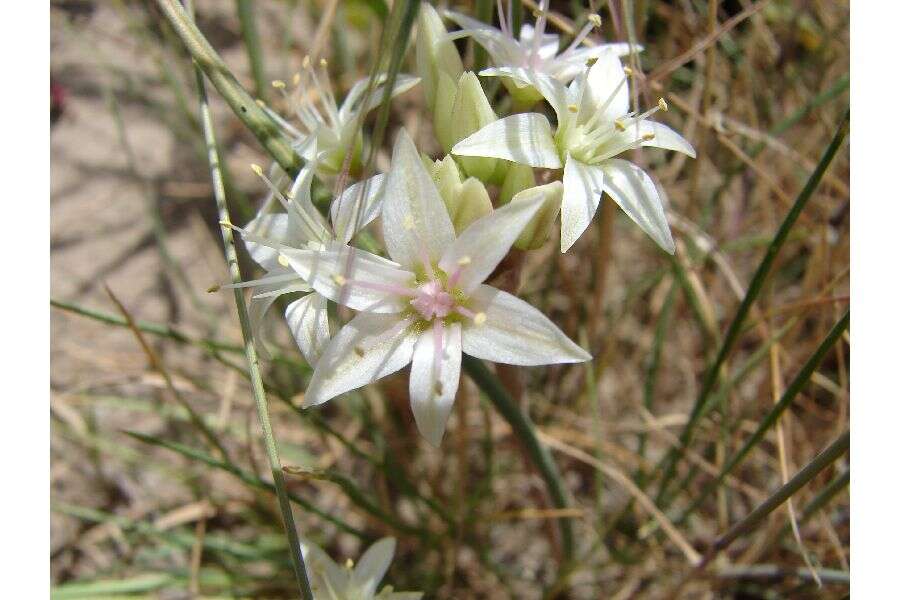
[(256, 383), (671, 459), (250, 35), (525, 432), (243, 105)]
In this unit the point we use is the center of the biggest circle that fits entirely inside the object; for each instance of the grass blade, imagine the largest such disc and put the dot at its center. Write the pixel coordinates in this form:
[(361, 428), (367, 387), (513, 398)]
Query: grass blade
[(250, 34), (256, 383), (240, 101), (526, 434), (671, 459)]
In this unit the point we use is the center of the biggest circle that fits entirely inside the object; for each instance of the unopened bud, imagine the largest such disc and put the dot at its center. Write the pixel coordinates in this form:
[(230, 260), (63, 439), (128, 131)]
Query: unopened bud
[(518, 177), (471, 111), (538, 229), (466, 201), (434, 53)]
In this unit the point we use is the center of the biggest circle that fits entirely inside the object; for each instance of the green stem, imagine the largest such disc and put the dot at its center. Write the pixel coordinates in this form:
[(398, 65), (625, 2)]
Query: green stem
[(671, 459), (525, 432), (243, 105), (254, 51), (256, 382)]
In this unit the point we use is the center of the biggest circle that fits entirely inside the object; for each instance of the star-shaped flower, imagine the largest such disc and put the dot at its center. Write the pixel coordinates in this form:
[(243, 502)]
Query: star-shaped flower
[(329, 581), (535, 49), (301, 226), (325, 131), (430, 305), (593, 127)]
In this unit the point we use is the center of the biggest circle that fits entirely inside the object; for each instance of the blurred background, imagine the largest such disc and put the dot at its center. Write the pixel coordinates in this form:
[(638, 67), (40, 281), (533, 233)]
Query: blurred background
[(142, 509)]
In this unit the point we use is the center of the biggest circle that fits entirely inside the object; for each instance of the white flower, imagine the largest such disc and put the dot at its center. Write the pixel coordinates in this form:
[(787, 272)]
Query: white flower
[(430, 305), (593, 126), (329, 581), (325, 132), (535, 50), (301, 226)]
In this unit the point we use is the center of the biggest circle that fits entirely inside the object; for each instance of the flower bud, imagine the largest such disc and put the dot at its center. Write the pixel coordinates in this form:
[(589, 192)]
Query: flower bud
[(434, 53), (466, 201), (443, 111), (538, 229), (471, 111), (524, 96), (518, 177)]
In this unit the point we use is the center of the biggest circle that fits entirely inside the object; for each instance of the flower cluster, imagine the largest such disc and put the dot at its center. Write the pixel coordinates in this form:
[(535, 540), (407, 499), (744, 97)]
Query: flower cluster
[(421, 299)]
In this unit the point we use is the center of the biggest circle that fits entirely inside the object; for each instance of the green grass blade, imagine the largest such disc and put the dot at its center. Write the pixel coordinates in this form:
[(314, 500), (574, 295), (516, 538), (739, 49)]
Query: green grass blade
[(671, 459), (256, 383), (244, 106), (787, 398), (250, 34), (526, 434), (247, 478)]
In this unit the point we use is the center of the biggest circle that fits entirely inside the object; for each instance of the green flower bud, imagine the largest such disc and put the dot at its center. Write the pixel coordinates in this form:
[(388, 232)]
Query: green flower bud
[(518, 177), (443, 111), (466, 201), (523, 96), (434, 53), (472, 111), (538, 229)]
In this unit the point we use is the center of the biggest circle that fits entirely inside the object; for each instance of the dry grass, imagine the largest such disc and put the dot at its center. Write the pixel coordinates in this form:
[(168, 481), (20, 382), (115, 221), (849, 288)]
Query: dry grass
[(125, 509)]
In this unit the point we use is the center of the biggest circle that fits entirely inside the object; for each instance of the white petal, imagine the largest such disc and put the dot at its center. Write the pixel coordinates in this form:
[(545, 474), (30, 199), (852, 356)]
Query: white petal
[(274, 226), (484, 243), (352, 107), (516, 333), (431, 394), (523, 138), (323, 571), (373, 564), (307, 223), (503, 49), (635, 192), (663, 137), (415, 220), (369, 347), (567, 65), (549, 41), (352, 277), (582, 190), (552, 90), (604, 88), (353, 211), (307, 318), (256, 311)]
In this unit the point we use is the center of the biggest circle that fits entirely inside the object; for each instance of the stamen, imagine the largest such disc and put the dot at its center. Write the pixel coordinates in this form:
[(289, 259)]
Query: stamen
[(480, 318), (593, 21), (387, 288), (454, 277), (628, 71), (502, 17), (278, 84), (663, 105), (283, 261), (573, 108), (648, 136), (540, 24), (619, 125), (291, 207)]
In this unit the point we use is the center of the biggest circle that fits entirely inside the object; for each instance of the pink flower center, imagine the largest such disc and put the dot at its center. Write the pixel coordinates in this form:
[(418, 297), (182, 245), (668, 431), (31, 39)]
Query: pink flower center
[(432, 301)]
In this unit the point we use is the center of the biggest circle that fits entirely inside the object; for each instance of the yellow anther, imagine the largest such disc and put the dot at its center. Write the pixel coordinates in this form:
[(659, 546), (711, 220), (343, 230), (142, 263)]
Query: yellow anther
[(628, 71), (465, 260), (323, 63), (283, 261), (573, 108), (480, 318), (260, 103), (537, 13), (349, 564), (663, 105), (648, 136), (296, 79), (278, 84), (306, 62), (213, 289), (359, 351), (409, 223), (595, 20), (257, 169), (619, 125), (226, 224), (339, 279)]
